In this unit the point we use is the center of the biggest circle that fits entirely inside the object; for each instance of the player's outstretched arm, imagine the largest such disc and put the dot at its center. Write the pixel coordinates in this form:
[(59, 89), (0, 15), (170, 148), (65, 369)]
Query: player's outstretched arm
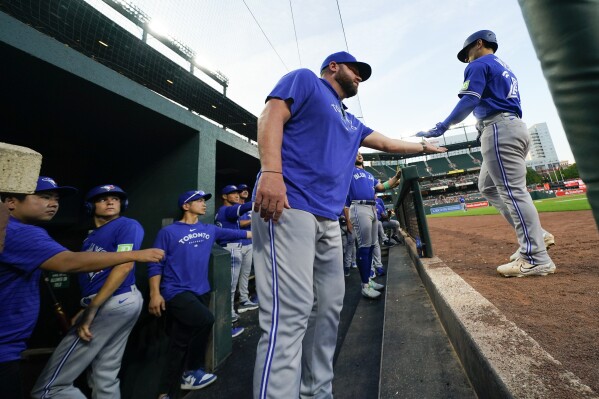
[(380, 142), (271, 193), (68, 261)]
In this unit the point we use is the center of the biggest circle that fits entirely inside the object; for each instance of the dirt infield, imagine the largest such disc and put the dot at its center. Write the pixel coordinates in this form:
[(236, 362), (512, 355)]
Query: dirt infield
[(560, 311)]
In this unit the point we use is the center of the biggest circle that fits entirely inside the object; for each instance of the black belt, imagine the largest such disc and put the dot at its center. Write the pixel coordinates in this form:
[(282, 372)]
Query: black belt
[(364, 202)]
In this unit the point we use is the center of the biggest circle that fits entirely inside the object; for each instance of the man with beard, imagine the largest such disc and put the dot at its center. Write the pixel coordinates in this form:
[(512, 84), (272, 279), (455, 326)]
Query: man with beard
[(307, 143)]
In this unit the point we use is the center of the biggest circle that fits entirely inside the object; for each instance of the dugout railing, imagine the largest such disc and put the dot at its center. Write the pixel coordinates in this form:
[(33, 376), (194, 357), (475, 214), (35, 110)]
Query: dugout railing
[(409, 209)]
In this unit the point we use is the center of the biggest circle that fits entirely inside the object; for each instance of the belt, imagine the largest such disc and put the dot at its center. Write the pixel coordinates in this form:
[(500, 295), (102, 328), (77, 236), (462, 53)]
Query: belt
[(364, 202), (85, 301), (233, 245), (490, 119)]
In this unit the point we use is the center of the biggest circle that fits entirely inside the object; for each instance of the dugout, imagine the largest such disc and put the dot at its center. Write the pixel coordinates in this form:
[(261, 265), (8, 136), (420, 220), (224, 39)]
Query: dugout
[(93, 126)]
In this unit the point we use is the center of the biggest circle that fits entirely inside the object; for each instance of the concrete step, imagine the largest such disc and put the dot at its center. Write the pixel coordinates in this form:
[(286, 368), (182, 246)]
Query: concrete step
[(418, 360)]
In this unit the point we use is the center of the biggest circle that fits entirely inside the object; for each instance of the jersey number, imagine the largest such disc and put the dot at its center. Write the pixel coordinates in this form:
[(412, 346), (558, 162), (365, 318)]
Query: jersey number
[(513, 88)]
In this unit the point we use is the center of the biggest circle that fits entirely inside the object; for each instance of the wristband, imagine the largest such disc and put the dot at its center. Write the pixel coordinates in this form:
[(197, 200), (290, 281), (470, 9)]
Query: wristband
[(272, 171), (387, 185)]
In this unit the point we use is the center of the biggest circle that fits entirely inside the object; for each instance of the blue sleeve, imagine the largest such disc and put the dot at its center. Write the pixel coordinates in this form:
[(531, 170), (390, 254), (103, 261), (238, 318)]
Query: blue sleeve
[(161, 242), (475, 79), (131, 233), (464, 107), (295, 88), (231, 212), (229, 234), (234, 212), (27, 248)]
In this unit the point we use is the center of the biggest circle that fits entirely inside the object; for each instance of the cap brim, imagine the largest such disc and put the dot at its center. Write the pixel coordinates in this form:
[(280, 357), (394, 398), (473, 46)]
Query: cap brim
[(62, 191), (364, 69), (462, 55)]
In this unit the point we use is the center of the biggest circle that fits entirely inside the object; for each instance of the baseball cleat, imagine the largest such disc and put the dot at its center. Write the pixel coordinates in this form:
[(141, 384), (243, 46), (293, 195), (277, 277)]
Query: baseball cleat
[(375, 286), (247, 305), (234, 317), (521, 268), (237, 331), (370, 292), (196, 379), (380, 271), (346, 271), (549, 240)]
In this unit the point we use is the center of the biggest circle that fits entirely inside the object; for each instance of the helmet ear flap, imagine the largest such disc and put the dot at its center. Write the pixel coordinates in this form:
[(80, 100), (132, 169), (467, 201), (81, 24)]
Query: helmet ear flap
[(89, 208), (124, 204)]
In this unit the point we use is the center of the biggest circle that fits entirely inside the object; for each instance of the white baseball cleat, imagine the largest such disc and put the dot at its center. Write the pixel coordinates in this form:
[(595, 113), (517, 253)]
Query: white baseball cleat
[(521, 268), (549, 240), (369, 292)]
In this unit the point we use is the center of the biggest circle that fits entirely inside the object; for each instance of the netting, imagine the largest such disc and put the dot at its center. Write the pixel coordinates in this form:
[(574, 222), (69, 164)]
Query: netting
[(122, 48)]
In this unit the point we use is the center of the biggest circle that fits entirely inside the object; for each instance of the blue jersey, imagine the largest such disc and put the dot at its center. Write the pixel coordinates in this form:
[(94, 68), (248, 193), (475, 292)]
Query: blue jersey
[(493, 82), (246, 216), (361, 186), (118, 235), (380, 208), (187, 250), (26, 248), (320, 142), (228, 217)]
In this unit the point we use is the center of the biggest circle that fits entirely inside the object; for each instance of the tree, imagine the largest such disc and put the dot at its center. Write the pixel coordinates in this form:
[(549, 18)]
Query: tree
[(533, 177), (571, 172)]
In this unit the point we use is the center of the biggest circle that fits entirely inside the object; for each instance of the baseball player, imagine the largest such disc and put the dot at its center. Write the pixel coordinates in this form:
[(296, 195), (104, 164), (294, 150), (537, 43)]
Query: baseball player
[(179, 285), (112, 305), (307, 143), (360, 210), (490, 90), (228, 216), (463, 203), (387, 222), (245, 223), (348, 243), (29, 249)]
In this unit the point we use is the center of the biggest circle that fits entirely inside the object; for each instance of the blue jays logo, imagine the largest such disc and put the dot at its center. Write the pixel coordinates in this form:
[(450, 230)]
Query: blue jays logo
[(346, 121), (108, 187), (49, 180)]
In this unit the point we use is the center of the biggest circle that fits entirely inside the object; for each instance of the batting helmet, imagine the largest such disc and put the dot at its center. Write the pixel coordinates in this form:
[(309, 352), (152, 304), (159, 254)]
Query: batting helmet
[(486, 35), (102, 190)]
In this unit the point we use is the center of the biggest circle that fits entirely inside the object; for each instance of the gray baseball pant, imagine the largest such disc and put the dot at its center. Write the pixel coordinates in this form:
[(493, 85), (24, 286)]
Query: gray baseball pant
[(244, 273), (236, 259), (349, 246), (502, 180), (298, 264), (111, 328)]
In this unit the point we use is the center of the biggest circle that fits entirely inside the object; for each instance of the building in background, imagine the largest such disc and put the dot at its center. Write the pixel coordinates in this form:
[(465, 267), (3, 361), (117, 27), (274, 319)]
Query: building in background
[(542, 155)]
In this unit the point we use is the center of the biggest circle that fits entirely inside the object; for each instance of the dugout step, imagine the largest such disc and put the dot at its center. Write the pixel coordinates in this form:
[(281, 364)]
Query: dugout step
[(418, 360)]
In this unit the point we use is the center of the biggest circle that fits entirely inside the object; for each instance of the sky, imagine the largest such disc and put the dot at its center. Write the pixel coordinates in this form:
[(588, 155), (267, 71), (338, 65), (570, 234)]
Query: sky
[(411, 46)]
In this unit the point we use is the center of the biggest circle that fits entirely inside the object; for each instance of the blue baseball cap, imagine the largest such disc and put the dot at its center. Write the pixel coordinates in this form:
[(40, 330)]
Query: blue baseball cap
[(230, 189), (193, 195), (105, 189), (343, 57), (45, 183), (242, 187)]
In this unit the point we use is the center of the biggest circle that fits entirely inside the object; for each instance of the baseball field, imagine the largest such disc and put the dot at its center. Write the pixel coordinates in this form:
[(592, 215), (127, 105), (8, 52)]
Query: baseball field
[(559, 311), (578, 202)]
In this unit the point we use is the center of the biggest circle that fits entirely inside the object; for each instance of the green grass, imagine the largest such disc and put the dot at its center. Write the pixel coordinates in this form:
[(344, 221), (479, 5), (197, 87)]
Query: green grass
[(578, 202)]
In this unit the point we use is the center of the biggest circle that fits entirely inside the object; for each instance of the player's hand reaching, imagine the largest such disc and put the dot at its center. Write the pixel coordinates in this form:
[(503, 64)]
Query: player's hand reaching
[(437, 131), (271, 196), (150, 255)]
